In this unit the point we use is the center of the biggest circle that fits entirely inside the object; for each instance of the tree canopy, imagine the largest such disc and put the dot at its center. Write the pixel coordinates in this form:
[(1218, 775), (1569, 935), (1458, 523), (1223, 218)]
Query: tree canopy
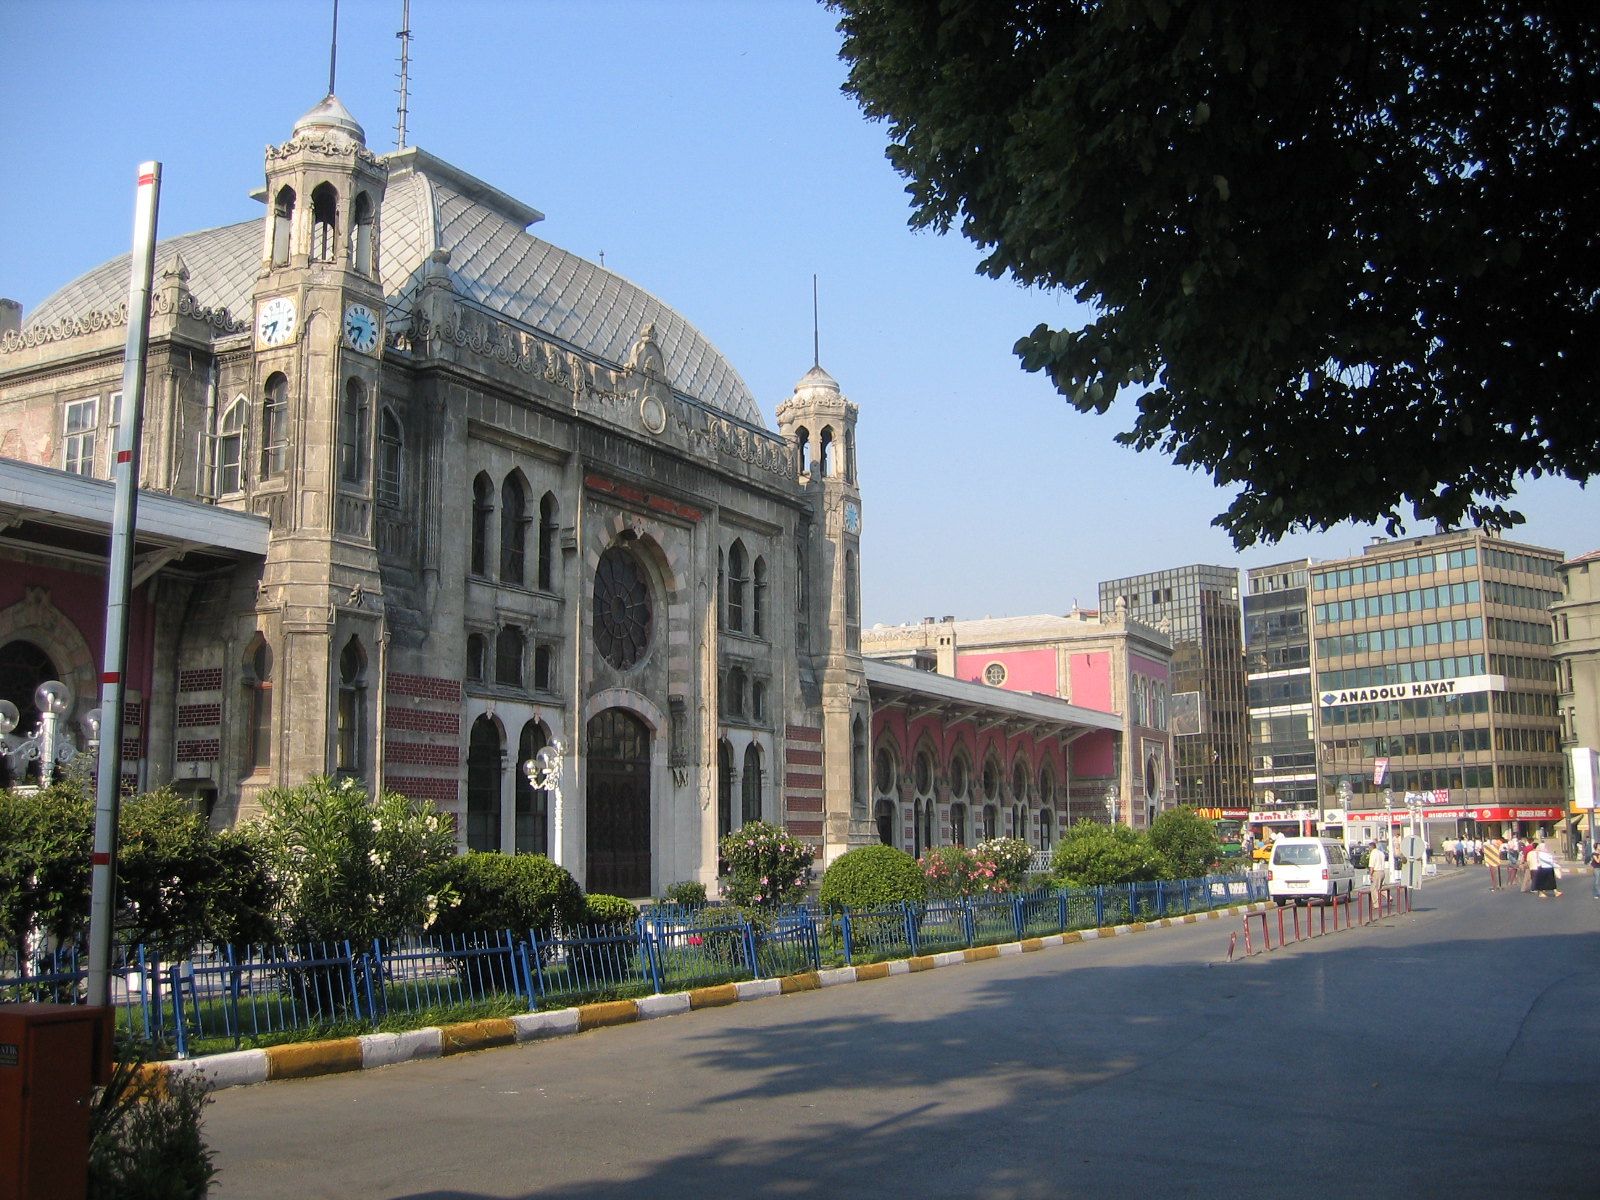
[(1342, 255)]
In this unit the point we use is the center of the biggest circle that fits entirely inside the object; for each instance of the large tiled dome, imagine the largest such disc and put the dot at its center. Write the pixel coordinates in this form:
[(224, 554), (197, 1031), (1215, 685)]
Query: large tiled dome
[(494, 263)]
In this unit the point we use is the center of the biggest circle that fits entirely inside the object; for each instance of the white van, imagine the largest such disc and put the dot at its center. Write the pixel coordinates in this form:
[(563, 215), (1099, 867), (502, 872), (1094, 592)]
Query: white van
[(1305, 868)]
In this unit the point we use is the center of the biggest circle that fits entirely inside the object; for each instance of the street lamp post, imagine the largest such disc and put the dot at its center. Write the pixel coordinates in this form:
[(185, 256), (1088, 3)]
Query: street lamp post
[(1111, 804)]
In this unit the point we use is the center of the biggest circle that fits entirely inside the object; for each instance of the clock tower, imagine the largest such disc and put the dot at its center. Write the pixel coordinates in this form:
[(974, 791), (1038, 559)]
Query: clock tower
[(317, 347), (820, 427)]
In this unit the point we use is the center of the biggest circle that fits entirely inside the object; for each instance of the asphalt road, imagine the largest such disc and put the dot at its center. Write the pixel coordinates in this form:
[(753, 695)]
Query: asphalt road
[(1451, 1052)]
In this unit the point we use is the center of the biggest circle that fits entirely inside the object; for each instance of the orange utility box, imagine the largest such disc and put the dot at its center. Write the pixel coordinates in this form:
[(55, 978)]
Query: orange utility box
[(51, 1058)]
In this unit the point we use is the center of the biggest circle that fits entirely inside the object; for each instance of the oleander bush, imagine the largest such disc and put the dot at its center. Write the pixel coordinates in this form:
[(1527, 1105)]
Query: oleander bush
[(957, 872), (767, 866), (872, 877), (1012, 858)]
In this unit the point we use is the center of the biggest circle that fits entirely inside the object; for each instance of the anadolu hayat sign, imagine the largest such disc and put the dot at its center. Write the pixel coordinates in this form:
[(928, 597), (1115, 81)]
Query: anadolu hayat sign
[(1422, 689)]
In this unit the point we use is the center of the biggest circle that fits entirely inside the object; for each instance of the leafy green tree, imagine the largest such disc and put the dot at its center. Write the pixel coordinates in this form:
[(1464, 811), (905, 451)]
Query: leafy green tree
[(1187, 844), (1341, 255), (1091, 854), (46, 843), (352, 865)]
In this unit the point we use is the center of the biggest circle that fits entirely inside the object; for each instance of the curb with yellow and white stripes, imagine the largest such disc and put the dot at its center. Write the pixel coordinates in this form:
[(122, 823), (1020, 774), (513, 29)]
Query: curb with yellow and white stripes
[(303, 1060)]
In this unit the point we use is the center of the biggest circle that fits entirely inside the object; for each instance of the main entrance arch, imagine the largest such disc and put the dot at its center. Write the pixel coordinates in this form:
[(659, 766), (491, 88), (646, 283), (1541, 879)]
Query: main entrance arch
[(617, 808)]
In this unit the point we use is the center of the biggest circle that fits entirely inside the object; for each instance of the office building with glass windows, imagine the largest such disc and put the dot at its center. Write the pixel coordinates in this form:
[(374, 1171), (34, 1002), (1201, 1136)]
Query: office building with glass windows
[(1435, 685)]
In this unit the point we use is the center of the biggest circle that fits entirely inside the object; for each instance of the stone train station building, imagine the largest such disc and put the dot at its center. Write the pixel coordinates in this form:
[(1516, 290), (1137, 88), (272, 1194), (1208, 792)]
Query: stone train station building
[(423, 494)]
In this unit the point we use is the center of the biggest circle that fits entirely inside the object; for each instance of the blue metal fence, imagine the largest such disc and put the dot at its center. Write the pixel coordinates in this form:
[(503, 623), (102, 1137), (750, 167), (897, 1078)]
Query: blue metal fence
[(222, 997)]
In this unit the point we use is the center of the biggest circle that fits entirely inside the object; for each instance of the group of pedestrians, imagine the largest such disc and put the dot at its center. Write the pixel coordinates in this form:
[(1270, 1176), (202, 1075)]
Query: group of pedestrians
[(1518, 861)]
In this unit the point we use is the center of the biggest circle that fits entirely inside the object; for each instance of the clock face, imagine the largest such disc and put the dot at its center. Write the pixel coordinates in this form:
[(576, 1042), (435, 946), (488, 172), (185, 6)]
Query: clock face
[(852, 519), (275, 323), (360, 328)]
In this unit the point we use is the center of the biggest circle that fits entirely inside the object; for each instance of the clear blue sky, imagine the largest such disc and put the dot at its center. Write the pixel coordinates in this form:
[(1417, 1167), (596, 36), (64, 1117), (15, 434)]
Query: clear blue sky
[(705, 148)]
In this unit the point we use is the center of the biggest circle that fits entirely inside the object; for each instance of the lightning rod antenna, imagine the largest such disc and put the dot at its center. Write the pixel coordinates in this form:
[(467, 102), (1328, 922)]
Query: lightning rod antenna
[(816, 342), (405, 73), (333, 48)]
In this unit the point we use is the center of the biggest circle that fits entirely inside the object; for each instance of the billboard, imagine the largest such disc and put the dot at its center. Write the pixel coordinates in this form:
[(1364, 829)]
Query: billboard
[(1183, 714)]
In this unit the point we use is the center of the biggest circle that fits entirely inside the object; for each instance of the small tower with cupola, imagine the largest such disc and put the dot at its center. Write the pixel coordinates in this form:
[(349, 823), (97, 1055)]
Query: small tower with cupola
[(318, 346), (820, 425)]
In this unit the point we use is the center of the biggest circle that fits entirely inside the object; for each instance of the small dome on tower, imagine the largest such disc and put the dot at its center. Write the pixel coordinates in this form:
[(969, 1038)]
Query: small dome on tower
[(331, 116), (817, 379)]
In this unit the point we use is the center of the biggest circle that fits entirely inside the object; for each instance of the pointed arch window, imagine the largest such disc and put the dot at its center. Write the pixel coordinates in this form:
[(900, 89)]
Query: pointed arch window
[(477, 657), (547, 542), (736, 584), (352, 715), (391, 456), (229, 476), (724, 789), (532, 831), (958, 824), (750, 785), (482, 515), (258, 679), (802, 445), (758, 598), (485, 768), (361, 234), (324, 223), (513, 530), (353, 432), (825, 452), (282, 226), (274, 425)]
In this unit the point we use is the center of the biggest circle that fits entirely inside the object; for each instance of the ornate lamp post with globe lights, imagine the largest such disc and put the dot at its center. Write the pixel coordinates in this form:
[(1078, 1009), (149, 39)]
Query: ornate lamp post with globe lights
[(45, 745)]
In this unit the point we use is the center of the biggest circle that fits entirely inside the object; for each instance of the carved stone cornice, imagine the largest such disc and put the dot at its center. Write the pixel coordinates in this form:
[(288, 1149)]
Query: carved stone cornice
[(329, 148)]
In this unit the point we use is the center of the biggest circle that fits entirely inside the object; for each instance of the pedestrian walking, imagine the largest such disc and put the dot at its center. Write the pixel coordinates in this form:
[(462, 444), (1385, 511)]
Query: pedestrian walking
[(1377, 868), (1492, 859), (1545, 874)]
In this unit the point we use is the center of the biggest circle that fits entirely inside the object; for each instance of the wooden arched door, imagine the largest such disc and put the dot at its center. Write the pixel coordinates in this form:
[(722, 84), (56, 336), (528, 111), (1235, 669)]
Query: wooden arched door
[(618, 804)]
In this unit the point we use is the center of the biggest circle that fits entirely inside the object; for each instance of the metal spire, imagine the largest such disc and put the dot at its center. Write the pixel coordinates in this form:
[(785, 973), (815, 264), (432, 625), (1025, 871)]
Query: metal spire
[(333, 48), (405, 73), (816, 352)]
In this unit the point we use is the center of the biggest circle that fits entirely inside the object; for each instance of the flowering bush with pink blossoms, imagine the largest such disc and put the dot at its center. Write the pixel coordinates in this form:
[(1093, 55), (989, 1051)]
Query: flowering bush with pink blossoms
[(765, 866), (954, 872)]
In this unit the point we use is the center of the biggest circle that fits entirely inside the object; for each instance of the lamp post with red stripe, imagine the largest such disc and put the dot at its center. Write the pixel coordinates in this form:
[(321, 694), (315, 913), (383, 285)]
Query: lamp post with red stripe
[(119, 585)]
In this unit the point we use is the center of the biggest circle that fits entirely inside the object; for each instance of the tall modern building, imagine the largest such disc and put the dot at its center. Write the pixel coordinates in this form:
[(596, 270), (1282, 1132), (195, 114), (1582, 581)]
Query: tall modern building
[(1435, 683), (1198, 607), (1282, 690)]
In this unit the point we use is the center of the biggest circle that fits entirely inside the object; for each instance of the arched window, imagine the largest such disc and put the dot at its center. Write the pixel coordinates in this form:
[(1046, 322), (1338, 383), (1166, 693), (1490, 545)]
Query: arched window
[(758, 598), (958, 824), (477, 657), (508, 655), (351, 721), (543, 670), (485, 768), (858, 767), (230, 449), (513, 529), (750, 785), (353, 432), (802, 445), (1047, 826), (802, 599), (734, 692), (532, 834), (825, 452), (482, 515), (1019, 781), (852, 618), (1019, 821), (724, 789), (849, 445), (274, 425), (884, 775), (361, 234), (958, 776), (258, 678), (547, 542), (391, 448), (991, 779), (324, 223), (991, 822), (923, 805), (282, 226), (736, 586), (883, 817)]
